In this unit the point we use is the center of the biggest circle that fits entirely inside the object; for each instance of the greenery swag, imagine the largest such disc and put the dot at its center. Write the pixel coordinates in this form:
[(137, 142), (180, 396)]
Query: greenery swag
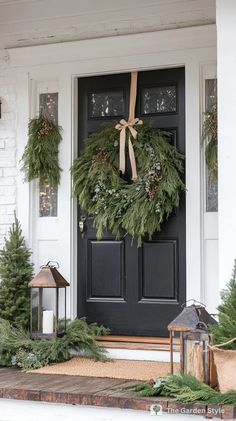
[(18, 350), (139, 207), (209, 137), (40, 158)]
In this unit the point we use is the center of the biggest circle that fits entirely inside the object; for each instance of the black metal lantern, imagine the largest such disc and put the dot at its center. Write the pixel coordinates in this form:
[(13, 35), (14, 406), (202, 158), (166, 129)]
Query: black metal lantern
[(48, 303), (192, 327)]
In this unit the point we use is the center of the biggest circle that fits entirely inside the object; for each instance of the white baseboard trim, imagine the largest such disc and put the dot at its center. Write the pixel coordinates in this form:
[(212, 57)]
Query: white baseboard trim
[(133, 354)]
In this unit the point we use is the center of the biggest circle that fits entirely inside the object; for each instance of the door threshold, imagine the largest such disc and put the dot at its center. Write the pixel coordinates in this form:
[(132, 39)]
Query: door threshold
[(145, 343)]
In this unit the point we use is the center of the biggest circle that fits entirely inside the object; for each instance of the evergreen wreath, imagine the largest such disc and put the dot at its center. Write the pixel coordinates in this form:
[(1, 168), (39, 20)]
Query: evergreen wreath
[(40, 158), (139, 207), (209, 137)]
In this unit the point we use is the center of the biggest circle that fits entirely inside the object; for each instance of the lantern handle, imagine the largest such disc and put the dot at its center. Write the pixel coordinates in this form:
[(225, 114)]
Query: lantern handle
[(202, 325), (194, 302), (48, 264)]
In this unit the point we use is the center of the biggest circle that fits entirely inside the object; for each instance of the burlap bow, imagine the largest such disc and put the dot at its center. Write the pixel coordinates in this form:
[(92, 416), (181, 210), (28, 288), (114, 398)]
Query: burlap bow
[(123, 125)]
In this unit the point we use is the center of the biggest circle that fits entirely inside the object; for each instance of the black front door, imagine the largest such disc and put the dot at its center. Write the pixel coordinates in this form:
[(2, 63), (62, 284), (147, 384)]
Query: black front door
[(134, 291)]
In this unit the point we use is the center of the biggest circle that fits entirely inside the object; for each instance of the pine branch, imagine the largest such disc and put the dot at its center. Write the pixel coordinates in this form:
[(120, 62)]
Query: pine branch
[(17, 349), (186, 389)]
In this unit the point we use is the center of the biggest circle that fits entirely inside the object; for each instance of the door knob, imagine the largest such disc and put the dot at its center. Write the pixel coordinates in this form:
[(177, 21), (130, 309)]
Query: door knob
[(82, 225)]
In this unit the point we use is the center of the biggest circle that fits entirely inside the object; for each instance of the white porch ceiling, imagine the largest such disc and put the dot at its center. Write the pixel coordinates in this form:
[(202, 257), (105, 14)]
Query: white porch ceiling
[(35, 22)]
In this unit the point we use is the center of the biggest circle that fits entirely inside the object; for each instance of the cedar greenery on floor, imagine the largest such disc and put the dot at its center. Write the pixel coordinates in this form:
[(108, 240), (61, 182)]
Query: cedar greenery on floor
[(18, 350), (186, 389)]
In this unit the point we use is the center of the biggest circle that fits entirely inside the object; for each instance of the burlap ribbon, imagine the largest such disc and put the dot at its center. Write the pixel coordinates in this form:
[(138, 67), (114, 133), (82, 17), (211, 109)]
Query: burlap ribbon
[(222, 344), (123, 125)]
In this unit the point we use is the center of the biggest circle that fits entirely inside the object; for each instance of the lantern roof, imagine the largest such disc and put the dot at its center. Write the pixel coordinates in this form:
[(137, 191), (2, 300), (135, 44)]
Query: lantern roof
[(191, 318), (48, 277)]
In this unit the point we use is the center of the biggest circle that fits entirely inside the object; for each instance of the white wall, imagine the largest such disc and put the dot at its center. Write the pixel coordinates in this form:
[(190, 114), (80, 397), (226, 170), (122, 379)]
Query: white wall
[(226, 53), (7, 151)]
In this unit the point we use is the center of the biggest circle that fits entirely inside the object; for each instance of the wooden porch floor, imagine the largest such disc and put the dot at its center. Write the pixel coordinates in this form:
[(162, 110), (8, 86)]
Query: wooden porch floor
[(104, 392)]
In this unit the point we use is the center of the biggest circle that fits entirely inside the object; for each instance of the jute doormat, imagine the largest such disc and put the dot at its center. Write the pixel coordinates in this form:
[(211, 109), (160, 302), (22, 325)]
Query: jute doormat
[(116, 369)]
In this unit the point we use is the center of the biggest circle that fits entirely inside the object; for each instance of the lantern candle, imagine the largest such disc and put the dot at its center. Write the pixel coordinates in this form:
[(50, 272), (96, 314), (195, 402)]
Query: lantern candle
[(48, 319)]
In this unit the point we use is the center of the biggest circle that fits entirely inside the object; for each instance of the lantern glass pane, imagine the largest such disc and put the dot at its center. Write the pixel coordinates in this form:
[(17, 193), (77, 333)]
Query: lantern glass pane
[(35, 313), (49, 311), (43, 312), (62, 311), (196, 356)]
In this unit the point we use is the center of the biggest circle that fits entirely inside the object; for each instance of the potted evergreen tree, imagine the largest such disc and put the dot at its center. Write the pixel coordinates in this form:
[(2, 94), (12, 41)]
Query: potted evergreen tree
[(16, 271), (224, 337)]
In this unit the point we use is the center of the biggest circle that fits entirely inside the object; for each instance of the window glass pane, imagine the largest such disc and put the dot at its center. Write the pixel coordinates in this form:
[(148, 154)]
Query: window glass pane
[(106, 104), (47, 200), (159, 99), (48, 105), (212, 195), (211, 185), (211, 93)]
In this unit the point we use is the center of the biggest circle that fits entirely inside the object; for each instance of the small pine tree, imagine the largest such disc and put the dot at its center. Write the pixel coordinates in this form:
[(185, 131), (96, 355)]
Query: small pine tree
[(226, 329), (15, 273)]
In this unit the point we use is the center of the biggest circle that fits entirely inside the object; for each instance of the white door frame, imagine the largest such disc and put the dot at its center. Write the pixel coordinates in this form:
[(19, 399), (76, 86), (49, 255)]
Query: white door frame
[(189, 47)]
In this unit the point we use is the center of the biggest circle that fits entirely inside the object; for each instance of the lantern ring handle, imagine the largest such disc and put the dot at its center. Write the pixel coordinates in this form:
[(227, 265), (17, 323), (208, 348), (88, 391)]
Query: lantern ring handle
[(202, 325), (194, 302), (48, 264)]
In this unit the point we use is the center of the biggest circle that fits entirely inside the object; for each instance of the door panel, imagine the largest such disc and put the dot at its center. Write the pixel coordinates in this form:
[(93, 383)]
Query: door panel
[(106, 280), (134, 291), (159, 262)]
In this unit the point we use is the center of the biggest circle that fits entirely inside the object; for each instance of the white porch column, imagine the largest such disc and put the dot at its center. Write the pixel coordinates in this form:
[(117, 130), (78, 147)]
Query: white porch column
[(226, 62)]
